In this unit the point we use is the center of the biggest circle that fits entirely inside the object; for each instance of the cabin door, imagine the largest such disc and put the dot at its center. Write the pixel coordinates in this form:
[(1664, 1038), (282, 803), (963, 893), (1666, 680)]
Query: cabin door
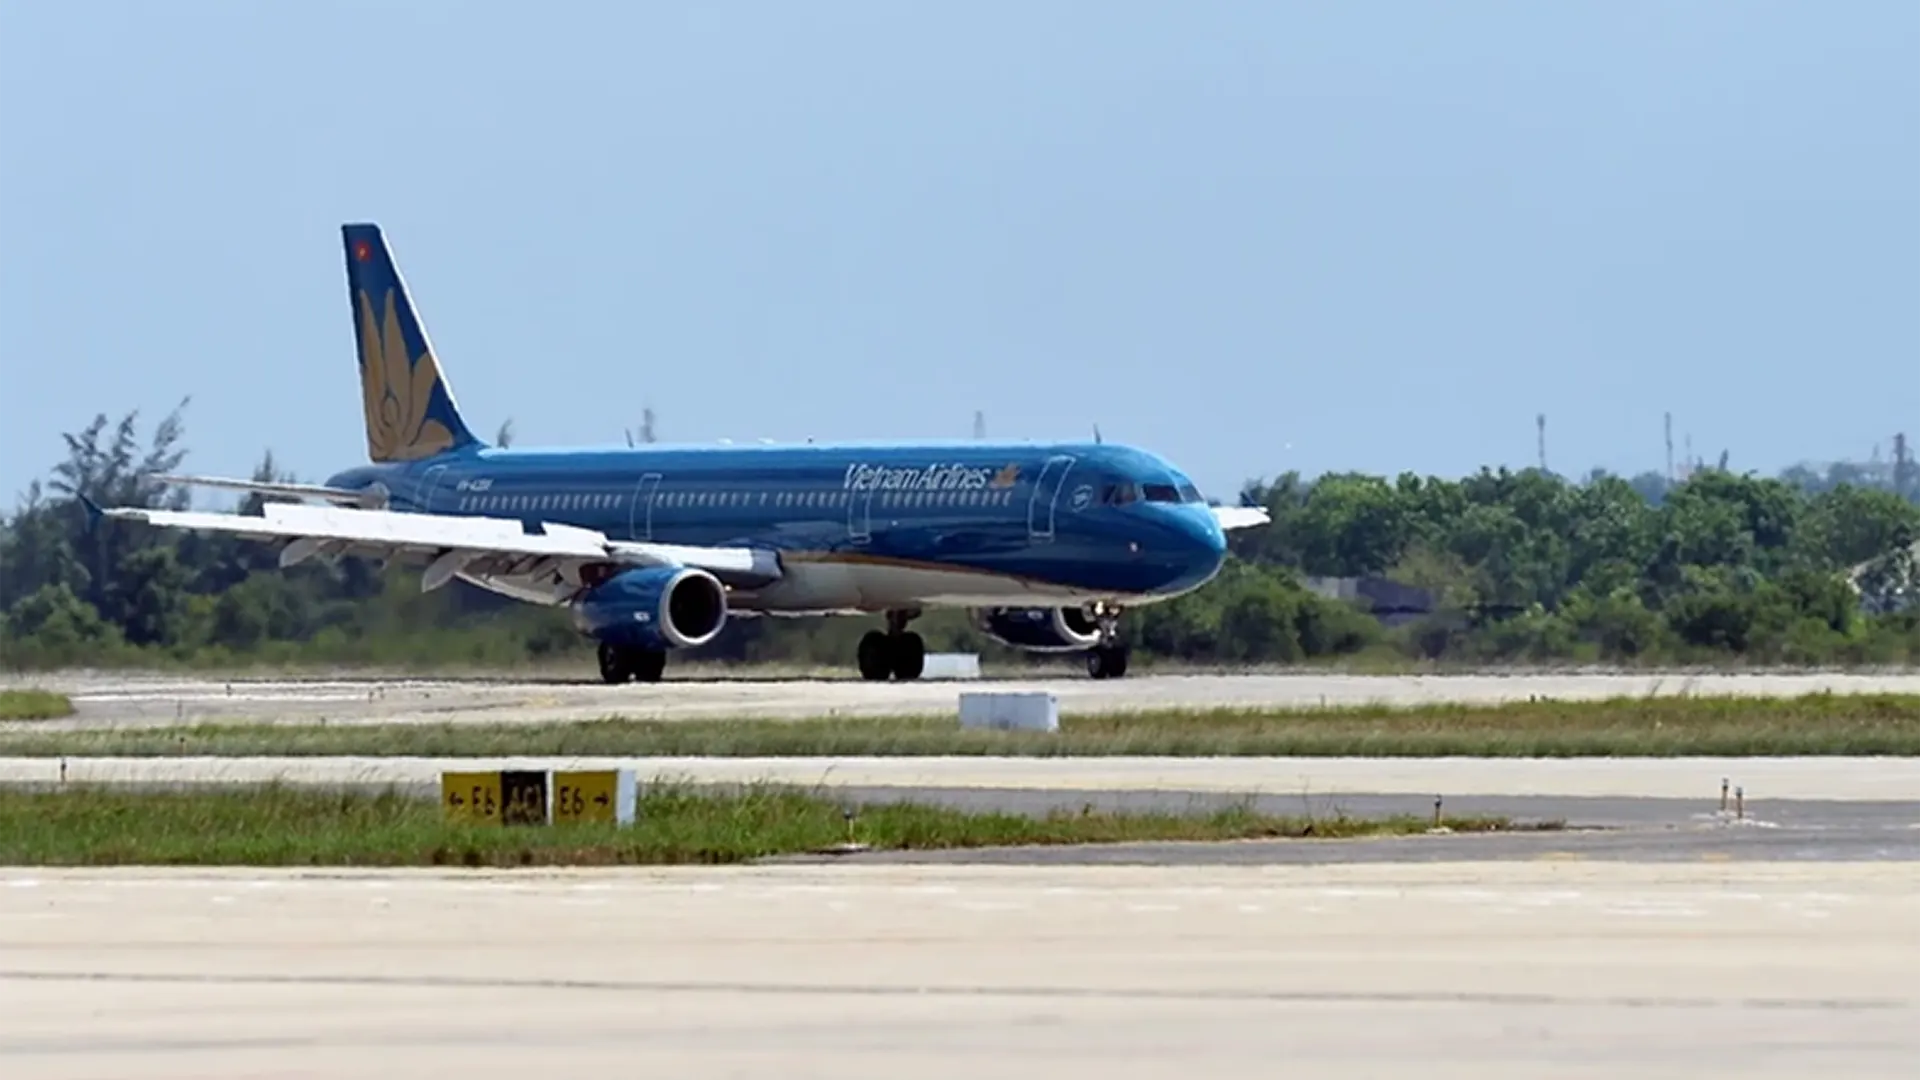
[(860, 515), (1046, 497), (429, 487), (640, 514)]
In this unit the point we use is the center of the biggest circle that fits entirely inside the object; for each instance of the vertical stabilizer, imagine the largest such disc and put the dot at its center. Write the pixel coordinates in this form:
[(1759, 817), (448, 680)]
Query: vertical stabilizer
[(410, 411)]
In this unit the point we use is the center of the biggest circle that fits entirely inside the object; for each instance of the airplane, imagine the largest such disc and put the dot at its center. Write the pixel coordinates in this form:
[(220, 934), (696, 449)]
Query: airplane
[(653, 548)]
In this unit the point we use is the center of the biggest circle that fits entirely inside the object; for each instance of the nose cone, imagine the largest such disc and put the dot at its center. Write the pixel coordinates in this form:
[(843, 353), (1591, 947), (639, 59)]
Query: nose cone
[(1202, 548)]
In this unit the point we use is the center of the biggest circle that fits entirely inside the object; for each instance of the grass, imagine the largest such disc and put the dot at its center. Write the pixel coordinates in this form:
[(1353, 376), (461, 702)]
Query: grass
[(283, 826), (34, 705), (1818, 724)]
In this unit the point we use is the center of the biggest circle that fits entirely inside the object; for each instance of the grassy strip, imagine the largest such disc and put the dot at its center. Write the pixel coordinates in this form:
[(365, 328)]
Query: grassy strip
[(1817, 724), (279, 826), (34, 705)]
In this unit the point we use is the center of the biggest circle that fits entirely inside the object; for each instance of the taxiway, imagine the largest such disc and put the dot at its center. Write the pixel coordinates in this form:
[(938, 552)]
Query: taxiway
[(114, 700)]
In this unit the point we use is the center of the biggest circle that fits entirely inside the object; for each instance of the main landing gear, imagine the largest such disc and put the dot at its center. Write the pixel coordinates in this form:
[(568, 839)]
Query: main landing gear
[(897, 652), (1108, 659), (628, 663)]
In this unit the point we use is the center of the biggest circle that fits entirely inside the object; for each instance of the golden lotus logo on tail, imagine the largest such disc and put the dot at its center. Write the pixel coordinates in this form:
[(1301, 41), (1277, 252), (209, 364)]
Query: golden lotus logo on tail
[(398, 390), (1006, 477)]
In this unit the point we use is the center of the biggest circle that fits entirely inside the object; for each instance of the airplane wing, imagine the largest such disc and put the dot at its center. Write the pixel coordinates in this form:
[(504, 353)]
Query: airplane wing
[(1240, 517), (451, 545)]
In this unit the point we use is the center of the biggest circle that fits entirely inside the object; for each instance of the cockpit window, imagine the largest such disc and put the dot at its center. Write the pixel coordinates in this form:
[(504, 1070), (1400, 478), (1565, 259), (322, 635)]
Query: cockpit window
[(1124, 492)]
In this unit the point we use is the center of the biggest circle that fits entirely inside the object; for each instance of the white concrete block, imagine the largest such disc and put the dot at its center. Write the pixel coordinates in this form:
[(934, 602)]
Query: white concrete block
[(951, 666), (1007, 710)]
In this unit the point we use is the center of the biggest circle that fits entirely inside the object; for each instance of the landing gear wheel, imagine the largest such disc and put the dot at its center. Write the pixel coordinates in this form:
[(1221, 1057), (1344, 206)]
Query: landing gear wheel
[(876, 659), (1107, 661), (621, 664), (649, 665), (909, 655), (613, 664), (896, 654)]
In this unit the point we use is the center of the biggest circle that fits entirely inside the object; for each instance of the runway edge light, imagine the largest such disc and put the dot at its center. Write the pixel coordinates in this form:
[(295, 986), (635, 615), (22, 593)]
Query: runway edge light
[(600, 796)]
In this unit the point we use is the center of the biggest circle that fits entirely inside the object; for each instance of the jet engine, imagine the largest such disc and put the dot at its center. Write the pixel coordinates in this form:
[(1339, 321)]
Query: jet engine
[(654, 607), (1041, 629)]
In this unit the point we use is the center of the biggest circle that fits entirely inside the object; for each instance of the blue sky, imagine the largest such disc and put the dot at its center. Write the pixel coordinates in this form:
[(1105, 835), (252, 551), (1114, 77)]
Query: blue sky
[(1253, 236)]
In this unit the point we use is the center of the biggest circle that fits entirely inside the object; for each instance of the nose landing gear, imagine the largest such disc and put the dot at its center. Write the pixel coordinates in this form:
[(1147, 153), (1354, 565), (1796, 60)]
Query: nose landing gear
[(1108, 659)]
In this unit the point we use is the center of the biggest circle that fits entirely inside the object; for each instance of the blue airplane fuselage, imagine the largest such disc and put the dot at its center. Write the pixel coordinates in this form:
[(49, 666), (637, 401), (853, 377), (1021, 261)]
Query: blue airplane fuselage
[(860, 526)]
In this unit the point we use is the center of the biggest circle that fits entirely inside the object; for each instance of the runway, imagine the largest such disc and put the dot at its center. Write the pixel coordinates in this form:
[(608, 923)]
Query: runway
[(1439, 971), (113, 700)]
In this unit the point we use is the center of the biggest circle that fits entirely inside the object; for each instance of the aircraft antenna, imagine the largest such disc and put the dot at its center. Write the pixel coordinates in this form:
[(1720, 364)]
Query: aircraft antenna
[(979, 424)]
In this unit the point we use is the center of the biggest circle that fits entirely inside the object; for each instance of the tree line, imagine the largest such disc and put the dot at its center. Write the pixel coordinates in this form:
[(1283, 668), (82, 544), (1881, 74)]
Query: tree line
[(1520, 566)]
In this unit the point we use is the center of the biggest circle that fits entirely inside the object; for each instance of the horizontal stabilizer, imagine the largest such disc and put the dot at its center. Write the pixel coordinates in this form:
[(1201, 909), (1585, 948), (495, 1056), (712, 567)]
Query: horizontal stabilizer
[(1240, 517), (298, 491)]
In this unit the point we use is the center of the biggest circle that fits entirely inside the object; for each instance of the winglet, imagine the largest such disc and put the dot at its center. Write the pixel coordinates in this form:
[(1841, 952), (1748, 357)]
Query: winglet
[(94, 513)]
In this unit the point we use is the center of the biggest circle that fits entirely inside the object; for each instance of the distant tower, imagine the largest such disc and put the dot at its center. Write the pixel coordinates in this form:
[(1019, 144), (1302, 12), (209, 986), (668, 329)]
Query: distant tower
[(979, 424), (1670, 477), (646, 424), (1902, 467), (1541, 422)]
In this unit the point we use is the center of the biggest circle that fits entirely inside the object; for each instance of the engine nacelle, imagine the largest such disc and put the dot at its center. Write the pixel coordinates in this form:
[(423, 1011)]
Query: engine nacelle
[(654, 607), (1041, 629)]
